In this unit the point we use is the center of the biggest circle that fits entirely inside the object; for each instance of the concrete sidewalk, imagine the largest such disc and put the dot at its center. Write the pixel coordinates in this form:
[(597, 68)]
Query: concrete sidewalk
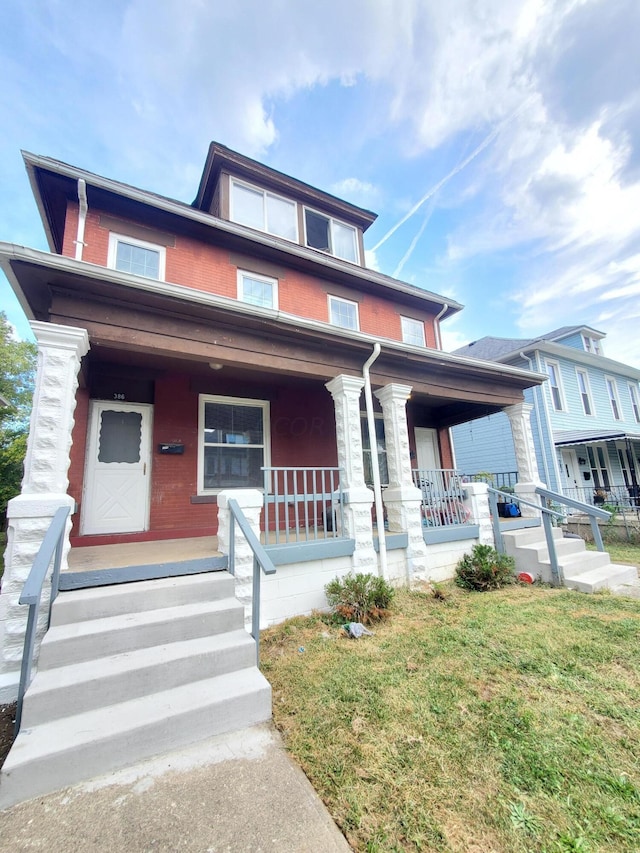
[(236, 793)]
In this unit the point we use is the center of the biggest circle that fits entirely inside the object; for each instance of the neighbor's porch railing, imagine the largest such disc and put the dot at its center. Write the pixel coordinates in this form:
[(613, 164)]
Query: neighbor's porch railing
[(442, 497), (303, 505), (496, 479), (32, 592), (548, 514), (621, 497)]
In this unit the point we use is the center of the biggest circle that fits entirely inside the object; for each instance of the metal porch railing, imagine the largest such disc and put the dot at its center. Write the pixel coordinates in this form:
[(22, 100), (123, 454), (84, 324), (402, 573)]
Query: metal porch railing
[(261, 560), (32, 593), (619, 497), (442, 497), (302, 505), (548, 514)]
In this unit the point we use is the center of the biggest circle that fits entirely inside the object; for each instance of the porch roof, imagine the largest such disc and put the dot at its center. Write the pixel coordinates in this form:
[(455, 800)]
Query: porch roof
[(566, 438), (166, 325)]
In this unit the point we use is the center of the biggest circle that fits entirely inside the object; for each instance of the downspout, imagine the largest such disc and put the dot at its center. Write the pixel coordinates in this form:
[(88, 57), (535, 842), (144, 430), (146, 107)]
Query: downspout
[(375, 461), (82, 217), (539, 425)]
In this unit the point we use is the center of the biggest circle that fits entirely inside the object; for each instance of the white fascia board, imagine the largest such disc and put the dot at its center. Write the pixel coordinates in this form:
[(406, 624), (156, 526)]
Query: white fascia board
[(186, 211), (62, 263), (600, 362)]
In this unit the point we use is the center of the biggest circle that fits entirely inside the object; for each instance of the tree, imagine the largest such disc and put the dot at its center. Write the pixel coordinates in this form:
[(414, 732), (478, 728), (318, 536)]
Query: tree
[(17, 370)]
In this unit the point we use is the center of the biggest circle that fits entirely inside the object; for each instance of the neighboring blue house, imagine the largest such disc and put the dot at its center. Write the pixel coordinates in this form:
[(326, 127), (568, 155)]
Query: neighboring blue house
[(585, 419)]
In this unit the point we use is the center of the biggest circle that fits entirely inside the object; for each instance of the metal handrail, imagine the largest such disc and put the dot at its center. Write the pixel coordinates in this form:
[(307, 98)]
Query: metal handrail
[(261, 560), (32, 592), (547, 514)]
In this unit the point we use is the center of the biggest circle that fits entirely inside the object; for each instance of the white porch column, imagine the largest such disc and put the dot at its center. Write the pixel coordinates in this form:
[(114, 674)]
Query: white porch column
[(346, 391), (402, 498), (250, 502), (477, 501), (528, 477), (44, 487)]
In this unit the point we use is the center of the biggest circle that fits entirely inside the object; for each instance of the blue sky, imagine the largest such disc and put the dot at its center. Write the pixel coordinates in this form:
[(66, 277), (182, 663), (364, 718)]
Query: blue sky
[(502, 137)]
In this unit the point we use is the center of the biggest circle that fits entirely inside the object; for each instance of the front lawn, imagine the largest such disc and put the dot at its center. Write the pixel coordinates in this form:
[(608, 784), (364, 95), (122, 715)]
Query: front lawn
[(504, 721)]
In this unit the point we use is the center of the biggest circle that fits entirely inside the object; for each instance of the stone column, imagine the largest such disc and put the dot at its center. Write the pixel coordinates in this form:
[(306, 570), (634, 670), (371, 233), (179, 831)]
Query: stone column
[(44, 488), (346, 391), (477, 501), (528, 477), (402, 499), (250, 502)]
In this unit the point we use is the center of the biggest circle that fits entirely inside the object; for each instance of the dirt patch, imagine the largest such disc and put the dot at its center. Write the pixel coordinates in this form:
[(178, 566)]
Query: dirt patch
[(7, 720)]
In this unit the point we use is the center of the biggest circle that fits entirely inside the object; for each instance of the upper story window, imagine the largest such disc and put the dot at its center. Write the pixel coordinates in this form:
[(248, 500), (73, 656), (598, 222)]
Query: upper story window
[(137, 257), (412, 331), (612, 391), (343, 312), (635, 408), (327, 234), (555, 386), (257, 289), (583, 388), (264, 211), (592, 345)]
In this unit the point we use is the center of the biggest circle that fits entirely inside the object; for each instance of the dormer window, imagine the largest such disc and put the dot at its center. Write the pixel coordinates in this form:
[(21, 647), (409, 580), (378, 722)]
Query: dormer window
[(330, 235), (592, 345), (264, 211), (137, 257)]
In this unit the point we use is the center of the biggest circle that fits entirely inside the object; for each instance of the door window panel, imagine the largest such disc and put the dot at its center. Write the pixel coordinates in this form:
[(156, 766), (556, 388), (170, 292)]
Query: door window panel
[(120, 437)]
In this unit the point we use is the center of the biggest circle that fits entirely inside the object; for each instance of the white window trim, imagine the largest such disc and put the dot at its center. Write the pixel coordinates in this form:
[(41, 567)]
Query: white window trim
[(115, 238), (331, 220), (257, 277), (232, 401), (634, 397), (616, 395), (587, 385), (413, 321), (592, 345), (264, 193), (563, 403), (330, 299)]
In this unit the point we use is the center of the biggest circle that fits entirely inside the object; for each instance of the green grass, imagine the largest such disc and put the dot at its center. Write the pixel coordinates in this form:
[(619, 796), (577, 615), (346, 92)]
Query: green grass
[(621, 552), (504, 721)]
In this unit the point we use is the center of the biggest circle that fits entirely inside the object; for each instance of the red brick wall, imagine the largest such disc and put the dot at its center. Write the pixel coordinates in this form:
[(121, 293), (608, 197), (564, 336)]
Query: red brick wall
[(210, 269), (77, 454)]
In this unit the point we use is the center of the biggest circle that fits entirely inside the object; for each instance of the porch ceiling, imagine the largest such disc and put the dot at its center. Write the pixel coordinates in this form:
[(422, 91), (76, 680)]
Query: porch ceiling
[(166, 327)]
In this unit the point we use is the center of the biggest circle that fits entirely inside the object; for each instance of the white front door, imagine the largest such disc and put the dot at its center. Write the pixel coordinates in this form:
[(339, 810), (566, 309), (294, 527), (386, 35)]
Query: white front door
[(427, 451), (117, 470), (570, 474)]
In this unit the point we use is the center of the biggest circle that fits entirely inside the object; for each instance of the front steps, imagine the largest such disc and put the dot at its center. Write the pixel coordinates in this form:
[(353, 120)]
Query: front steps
[(585, 571), (131, 671)]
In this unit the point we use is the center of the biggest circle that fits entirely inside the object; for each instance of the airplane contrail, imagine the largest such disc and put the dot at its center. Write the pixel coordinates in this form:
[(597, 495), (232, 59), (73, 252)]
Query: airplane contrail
[(478, 150)]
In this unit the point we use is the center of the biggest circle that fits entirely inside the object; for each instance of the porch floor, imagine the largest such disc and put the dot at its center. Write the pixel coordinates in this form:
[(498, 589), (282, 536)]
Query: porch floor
[(120, 556)]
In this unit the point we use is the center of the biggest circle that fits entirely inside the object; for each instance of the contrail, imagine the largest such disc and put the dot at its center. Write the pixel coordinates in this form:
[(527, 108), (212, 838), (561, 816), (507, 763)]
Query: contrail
[(479, 149), (414, 242)]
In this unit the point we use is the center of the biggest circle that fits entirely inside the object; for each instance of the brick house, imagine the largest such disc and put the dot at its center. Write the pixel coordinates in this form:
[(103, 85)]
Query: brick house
[(183, 348)]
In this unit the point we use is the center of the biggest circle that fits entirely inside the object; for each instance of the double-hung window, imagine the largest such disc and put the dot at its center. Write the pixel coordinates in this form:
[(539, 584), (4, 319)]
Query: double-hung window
[(612, 391), (330, 235), (233, 443), (344, 313), (367, 455), (137, 257), (592, 345), (635, 408), (264, 211), (583, 388), (257, 289), (412, 331), (555, 387)]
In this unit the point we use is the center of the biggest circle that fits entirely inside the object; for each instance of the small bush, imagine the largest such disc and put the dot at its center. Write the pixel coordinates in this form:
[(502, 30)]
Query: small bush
[(360, 598), (484, 569)]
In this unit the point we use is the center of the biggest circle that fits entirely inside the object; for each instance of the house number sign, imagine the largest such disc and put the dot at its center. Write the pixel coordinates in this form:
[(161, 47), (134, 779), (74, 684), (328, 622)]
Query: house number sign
[(119, 396)]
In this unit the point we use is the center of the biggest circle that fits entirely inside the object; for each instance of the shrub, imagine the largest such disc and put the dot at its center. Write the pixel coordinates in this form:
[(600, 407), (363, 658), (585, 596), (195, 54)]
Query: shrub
[(360, 598), (484, 569)]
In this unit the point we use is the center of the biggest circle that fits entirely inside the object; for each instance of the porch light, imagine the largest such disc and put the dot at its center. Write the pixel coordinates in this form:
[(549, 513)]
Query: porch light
[(215, 365)]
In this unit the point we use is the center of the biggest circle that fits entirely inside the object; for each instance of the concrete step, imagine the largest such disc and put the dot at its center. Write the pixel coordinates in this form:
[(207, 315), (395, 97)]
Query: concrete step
[(583, 562), (66, 751), (602, 577), (528, 535), (540, 551), (129, 675), (100, 602), (99, 638)]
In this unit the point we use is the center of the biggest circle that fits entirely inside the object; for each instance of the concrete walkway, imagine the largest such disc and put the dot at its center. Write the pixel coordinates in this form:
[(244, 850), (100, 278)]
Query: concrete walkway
[(236, 793)]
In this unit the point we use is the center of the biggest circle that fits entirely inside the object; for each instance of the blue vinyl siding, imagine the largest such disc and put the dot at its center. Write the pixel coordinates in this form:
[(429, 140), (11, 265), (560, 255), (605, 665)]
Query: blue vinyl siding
[(574, 341), (485, 445)]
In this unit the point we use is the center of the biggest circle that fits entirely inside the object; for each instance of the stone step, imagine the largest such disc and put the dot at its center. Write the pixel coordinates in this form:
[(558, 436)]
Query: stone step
[(63, 752), (96, 683), (99, 638), (102, 601), (602, 577)]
